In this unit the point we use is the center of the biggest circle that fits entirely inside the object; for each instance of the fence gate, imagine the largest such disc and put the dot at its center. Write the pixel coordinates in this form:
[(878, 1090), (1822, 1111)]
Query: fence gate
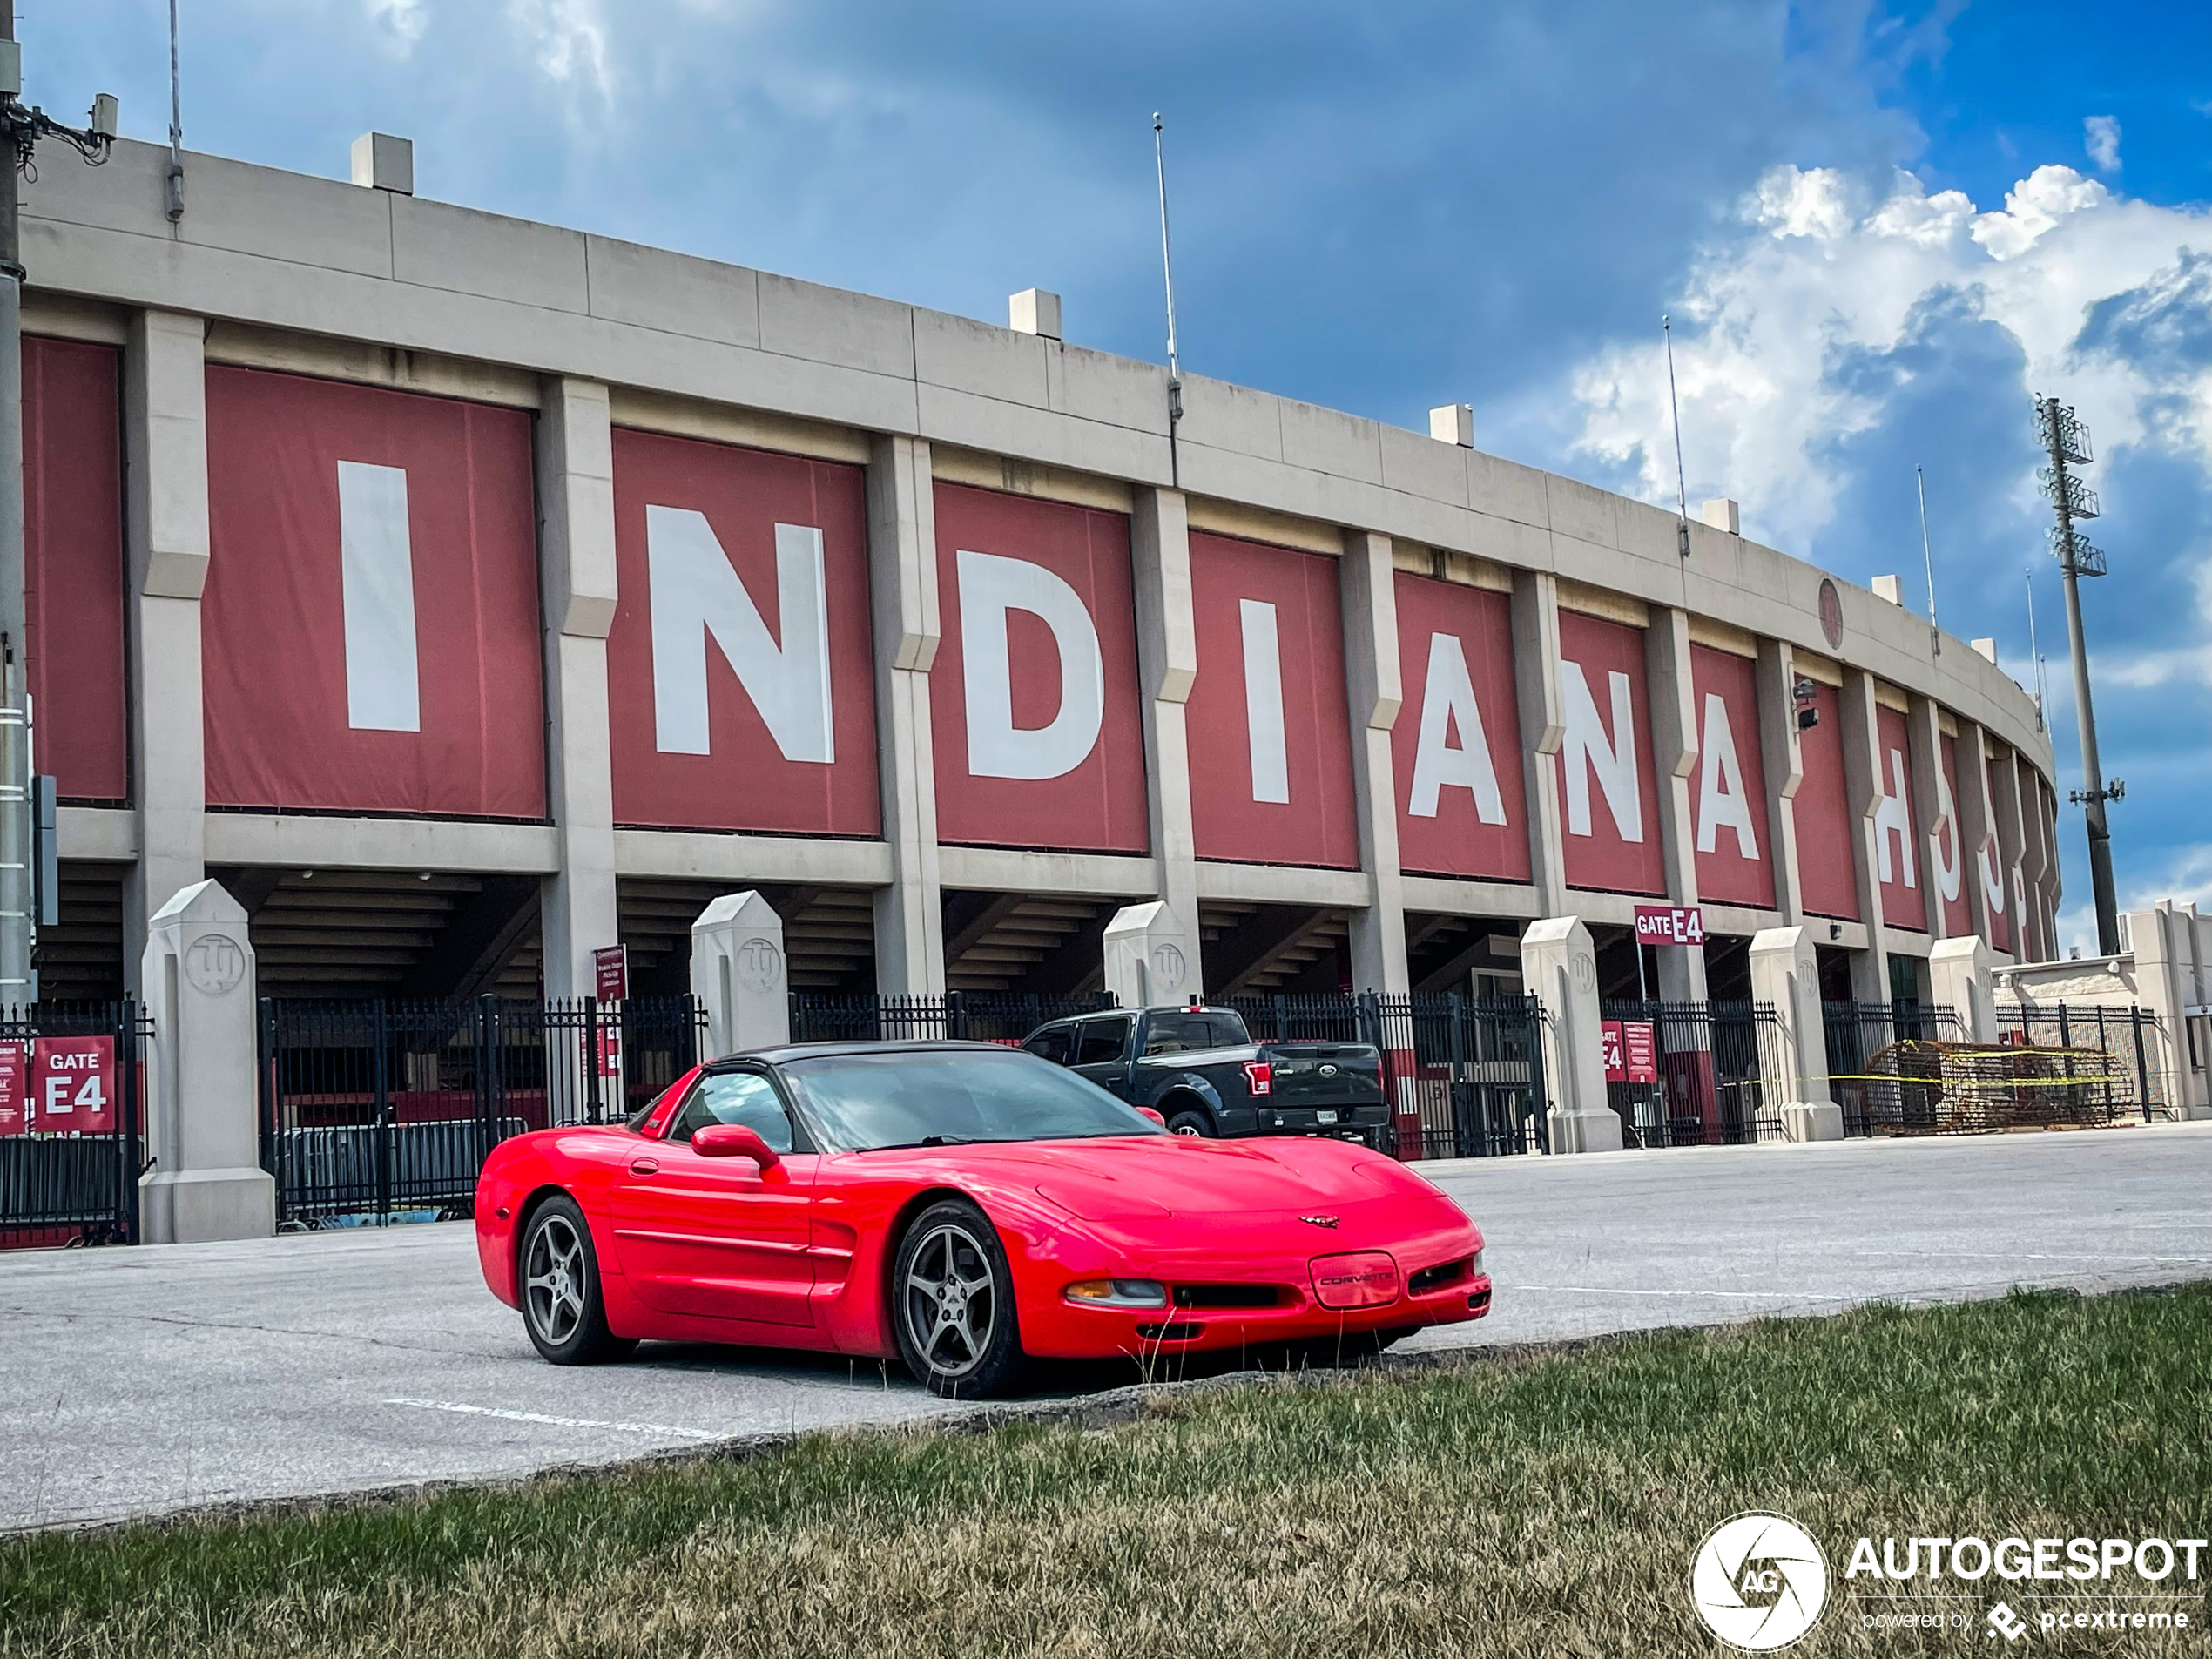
[(377, 1107), (72, 1122), (1466, 1075), (1714, 1075), (1857, 1032), (2128, 1035)]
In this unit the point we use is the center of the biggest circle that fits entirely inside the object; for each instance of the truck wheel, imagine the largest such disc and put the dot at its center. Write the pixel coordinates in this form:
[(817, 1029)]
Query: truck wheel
[(1190, 1123)]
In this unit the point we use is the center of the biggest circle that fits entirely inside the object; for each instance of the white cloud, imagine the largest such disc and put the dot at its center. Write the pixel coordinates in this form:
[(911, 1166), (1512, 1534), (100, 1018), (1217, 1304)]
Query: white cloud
[(2100, 135), (402, 21), (568, 39), (1821, 268)]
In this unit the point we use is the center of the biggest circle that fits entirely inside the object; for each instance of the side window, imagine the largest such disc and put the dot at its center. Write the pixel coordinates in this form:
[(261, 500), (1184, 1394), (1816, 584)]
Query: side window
[(1101, 1041), (1228, 1031), (736, 1097), (1051, 1043), (1177, 1034)]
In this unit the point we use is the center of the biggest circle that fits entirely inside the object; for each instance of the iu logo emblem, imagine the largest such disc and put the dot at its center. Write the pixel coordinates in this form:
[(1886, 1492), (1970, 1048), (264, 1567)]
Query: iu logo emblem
[(1759, 1581), (1168, 967), (761, 966)]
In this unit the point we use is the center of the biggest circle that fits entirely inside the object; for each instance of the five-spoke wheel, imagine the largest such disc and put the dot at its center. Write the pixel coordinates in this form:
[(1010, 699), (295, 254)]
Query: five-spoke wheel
[(954, 1303), (562, 1306)]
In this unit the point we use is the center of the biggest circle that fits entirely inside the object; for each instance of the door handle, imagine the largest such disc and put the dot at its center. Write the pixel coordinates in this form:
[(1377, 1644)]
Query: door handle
[(643, 1166)]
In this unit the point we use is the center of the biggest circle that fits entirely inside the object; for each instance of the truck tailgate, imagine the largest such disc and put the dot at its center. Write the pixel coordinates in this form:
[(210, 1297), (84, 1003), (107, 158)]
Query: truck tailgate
[(1323, 1074)]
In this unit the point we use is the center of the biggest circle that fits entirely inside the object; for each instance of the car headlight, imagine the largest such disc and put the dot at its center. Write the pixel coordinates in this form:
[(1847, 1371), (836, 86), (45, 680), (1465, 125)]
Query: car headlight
[(1119, 1293), (1476, 1266)]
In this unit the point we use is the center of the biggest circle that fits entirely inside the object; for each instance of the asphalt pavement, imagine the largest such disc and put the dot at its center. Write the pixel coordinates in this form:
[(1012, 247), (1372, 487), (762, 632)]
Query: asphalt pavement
[(134, 1382)]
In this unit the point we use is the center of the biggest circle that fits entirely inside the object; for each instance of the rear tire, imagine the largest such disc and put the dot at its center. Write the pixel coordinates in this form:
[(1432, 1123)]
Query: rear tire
[(952, 1303), (564, 1308), (1194, 1124)]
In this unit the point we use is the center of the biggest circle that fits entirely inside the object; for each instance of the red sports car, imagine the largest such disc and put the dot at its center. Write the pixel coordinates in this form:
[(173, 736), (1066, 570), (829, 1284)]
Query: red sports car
[(961, 1205)]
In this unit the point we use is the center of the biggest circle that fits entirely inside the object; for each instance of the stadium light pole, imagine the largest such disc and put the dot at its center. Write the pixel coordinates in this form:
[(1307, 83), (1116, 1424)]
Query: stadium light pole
[(22, 128)]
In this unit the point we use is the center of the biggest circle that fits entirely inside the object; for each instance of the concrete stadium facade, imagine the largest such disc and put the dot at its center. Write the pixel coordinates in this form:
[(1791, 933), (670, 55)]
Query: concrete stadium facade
[(467, 594)]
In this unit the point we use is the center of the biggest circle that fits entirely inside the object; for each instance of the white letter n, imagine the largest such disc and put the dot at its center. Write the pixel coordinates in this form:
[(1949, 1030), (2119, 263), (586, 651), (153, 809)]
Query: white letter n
[(697, 592)]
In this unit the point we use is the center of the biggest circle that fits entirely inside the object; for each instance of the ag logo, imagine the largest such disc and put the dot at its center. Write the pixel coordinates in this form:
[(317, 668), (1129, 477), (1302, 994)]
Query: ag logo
[(1759, 1581)]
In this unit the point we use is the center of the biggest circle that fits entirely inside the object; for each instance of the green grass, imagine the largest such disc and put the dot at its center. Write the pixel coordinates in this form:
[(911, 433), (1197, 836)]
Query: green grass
[(1542, 1504)]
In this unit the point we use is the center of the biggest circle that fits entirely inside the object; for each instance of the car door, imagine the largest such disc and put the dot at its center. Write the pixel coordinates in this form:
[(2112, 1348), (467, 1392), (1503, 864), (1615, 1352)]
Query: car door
[(720, 1237), (1101, 1051)]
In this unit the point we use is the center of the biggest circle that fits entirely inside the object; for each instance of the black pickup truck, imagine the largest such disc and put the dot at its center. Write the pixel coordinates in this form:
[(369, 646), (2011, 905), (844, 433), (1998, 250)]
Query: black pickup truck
[(1200, 1070)]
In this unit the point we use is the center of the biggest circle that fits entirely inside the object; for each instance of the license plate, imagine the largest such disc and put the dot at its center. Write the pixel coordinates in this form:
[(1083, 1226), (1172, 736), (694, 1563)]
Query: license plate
[(1325, 1118)]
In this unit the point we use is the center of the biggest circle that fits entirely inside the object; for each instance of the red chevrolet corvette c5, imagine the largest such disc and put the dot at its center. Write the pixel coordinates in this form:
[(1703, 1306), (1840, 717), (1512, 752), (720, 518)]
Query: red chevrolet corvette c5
[(959, 1205)]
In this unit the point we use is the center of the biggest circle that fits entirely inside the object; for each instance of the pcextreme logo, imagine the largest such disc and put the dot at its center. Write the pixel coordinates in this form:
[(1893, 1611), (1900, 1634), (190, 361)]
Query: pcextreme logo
[(1759, 1581)]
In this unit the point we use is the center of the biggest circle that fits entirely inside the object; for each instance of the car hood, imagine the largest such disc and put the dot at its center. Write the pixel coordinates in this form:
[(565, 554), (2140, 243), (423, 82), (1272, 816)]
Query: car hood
[(1156, 1176)]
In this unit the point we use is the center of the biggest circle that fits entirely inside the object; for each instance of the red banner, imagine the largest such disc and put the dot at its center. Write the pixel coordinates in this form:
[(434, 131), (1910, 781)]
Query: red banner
[(1821, 815), (1032, 698), (1953, 858), (1728, 797), (1455, 751), (741, 692), (1270, 741), (1994, 874), (370, 623), (1899, 858), (72, 1085), (1609, 799), (72, 512)]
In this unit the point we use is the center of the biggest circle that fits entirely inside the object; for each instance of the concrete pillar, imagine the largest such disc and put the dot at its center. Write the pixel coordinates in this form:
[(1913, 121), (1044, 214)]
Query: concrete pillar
[(2038, 865), (165, 402), (739, 972), (1167, 667), (2005, 815), (1781, 758), (203, 1108), (1674, 760), (1934, 814), (1367, 588), (1543, 726), (902, 581), (1958, 980), (1558, 965), (1151, 956), (1870, 968), (576, 484), (1786, 973), (2162, 940)]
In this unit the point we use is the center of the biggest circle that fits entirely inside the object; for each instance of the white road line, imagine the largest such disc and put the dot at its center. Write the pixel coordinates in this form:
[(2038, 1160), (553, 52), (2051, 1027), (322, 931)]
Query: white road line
[(1754, 1296), (558, 1422)]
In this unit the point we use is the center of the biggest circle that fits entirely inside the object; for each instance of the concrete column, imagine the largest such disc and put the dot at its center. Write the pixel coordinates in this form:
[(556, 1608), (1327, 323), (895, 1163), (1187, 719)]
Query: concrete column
[(740, 973), (576, 483), (1543, 726), (1367, 587), (2045, 893), (1977, 824), (165, 402), (2036, 860), (1870, 968), (1558, 965), (203, 1108), (1958, 980), (1781, 758), (1167, 667), (1786, 973), (2162, 940), (1151, 952), (902, 581), (1937, 826), (1674, 759)]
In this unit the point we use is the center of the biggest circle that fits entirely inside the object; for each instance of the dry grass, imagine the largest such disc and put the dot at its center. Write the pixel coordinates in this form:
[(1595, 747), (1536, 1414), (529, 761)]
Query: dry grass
[(1543, 1507)]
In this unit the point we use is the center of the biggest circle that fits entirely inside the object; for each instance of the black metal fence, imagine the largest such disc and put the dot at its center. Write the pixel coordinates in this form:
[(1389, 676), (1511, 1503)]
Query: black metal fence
[(1716, 1074), (982, 1016), (72, 1122), (1858, 1034), (379, 1108), (2130, 1035), (1466, 1075)]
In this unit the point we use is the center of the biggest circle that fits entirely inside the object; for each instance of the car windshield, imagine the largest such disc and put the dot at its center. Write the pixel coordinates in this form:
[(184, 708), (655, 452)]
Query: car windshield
[(952, 1096)]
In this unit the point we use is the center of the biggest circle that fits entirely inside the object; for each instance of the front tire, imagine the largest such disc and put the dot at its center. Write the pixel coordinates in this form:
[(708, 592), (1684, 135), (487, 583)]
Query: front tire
[(1197, 1124), (564, 1308), (952, 1303)]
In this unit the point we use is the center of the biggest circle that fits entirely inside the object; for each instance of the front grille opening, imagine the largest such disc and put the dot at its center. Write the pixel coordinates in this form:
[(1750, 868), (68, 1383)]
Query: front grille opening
[(1182, 1331), (1436, 1277), (1228, 1296)]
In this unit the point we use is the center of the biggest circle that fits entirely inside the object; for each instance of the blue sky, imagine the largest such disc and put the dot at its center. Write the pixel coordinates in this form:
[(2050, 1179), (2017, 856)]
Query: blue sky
[(1877, 231)]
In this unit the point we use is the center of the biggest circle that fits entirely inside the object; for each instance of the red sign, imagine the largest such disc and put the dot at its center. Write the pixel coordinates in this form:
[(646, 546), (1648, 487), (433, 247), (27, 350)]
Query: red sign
[(1616, 1050), (1728, 794), (1609, 795), (1456, 747), (14, 1120), (611, 972), (72, 1085), (611, 1048), (1661, 924), (1640, 1051)]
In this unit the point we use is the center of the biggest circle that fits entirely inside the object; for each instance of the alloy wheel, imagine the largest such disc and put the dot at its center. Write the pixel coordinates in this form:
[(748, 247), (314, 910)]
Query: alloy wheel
[(554, 1280), (951, 1301)]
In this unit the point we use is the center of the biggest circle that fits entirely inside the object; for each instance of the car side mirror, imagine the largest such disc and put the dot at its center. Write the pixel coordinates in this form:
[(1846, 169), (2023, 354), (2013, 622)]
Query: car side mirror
[(734, 1141), (1146, 1111)]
